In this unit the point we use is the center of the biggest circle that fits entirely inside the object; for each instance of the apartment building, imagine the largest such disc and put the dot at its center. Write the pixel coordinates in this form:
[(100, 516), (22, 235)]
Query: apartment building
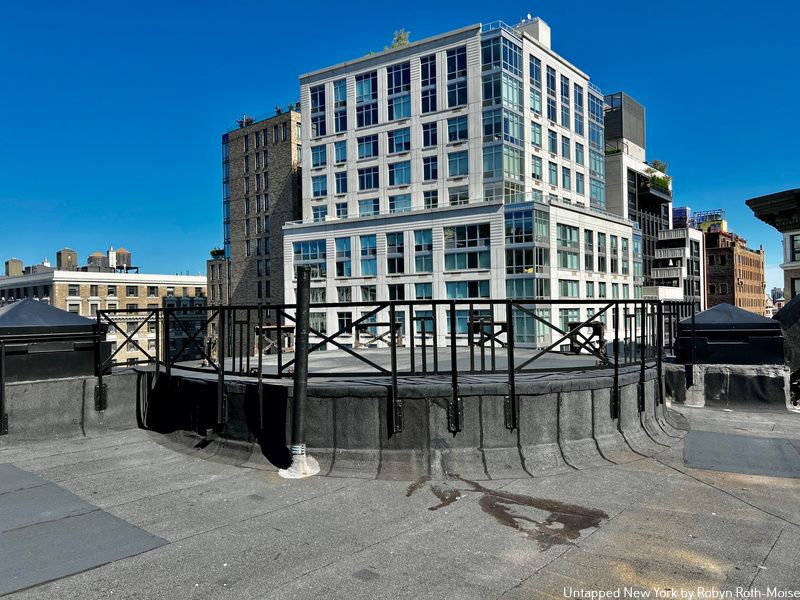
[(782, 211), (679, 267), (466, 165), (261, 191), (734, 272), (86, 292), (635, 189)]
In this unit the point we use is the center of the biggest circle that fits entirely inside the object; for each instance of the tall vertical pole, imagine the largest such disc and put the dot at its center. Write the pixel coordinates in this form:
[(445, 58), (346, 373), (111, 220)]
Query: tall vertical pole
[(3, 415), (302, 465)]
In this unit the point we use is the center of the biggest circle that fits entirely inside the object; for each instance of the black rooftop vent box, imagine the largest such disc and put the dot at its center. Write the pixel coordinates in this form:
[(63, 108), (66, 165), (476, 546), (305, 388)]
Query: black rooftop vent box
[(725, 334)]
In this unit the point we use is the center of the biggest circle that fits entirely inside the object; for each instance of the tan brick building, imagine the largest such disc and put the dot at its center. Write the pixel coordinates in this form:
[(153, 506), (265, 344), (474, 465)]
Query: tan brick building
[(261, 192), (85, 293), (734, 272)]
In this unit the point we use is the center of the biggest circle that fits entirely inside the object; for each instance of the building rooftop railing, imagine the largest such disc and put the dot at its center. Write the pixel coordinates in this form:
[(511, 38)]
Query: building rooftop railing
[(495, 25), (248, 120)]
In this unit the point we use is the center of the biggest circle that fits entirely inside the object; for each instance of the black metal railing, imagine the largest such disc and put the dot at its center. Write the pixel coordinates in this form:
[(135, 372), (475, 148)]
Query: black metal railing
[(438, 339)]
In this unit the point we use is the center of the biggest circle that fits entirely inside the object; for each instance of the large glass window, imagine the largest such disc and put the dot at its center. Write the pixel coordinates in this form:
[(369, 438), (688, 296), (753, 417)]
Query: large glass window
[(490, 54), (398, 89), (370, 206), (400, 203), (428, 83), (535, 67), (430, 168), (794, 248), (493, 161), (399, 140), (467, 247), (400, 173), (317, 111), (368, 178), (369, 255), (423, 250), (457, 129), (429, 137), (319, 156), (512, 57), (340, 151), (467, 289), (458, 163), (395, 252), (366, 99), (512, 92), (457, 76), (343, 263), (536, 134), (319, 186), (368, 146), (568, 288), (341, 182), (340, 105), (311, 253)]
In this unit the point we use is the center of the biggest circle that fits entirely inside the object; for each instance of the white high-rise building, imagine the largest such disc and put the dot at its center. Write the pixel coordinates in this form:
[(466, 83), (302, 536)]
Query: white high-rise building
[(466, 165)]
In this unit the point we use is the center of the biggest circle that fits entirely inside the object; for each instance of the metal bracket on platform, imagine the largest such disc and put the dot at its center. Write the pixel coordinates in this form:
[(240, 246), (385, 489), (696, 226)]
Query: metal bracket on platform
[(455, 413), (100, 397), (510, 411), (397, 413)]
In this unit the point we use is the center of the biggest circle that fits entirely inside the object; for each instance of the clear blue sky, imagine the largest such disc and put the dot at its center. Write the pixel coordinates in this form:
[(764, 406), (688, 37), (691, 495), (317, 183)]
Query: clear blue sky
[(111, 112)]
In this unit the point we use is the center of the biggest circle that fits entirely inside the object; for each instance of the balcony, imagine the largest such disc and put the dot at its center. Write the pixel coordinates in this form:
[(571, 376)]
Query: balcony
[(668, 273), (654, 191), (670, 252)]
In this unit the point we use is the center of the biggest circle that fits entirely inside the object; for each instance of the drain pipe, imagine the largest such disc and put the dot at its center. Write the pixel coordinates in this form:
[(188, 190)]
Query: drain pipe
[(302, 465)]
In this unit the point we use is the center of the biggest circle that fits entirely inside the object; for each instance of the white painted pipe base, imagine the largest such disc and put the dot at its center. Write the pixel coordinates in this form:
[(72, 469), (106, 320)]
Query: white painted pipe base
[(303, 465)]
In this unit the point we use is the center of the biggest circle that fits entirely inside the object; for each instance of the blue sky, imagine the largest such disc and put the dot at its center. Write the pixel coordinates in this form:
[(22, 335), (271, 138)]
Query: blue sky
[(111, 112)]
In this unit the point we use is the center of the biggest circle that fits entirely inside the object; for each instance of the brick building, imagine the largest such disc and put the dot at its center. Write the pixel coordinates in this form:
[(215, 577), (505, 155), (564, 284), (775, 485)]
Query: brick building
[(84, 292), (261, 192), (734, 272)]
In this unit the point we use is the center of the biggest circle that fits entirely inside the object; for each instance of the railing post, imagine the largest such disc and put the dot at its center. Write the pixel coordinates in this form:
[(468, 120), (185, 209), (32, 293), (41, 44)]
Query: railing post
[(260, 366), (221, 343), (511, 406), (167, 353), (642, 354), (455, 408), (302, 464), (3, 414), (397, 403), (660, 350), (615, 391)]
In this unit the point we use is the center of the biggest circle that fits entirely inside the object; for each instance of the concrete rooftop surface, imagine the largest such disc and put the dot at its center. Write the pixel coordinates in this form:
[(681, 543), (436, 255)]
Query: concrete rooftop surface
[(193, 522)]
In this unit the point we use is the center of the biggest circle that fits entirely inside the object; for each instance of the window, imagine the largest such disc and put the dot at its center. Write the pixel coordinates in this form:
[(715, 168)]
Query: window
[(319, 213), (341, 210), (343, 265), (590, 289), (344, 321), (457, 129), (551, 109), (423, 291), (319, 186), (366, 99), (317, 295), (112, 290), (536, 168), (131, 291), (395, 259), (565, 119), (568, 260), (536, 101), (368, 178), (430, 198), (399, 140), (467, 247), (567, 235), (152, 291), (368, 146), (512, 127), (580, 184), (400, 173), (398, 89), (794, 248), (490, 54), (568, 288), (94, 291), (536, 134), (340, 151), (588, 249), (339, 105), (566, 178), (601, 289), (317, 113), (551, 81), (552, 142), (467, 289), (512, 92), (311, 253), (319, 156), (457, 76), (341, 182), (423, 251), (552, 173), (370, 206), (429, 137), (578, 153), (565, 147), (430, 168), (535, 71), (512, 57), (458, 163), (458, 195), (400, 203), (369, 255), (74, 290), (428, 83), (512, 163), (344, 294), (493, 161)]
